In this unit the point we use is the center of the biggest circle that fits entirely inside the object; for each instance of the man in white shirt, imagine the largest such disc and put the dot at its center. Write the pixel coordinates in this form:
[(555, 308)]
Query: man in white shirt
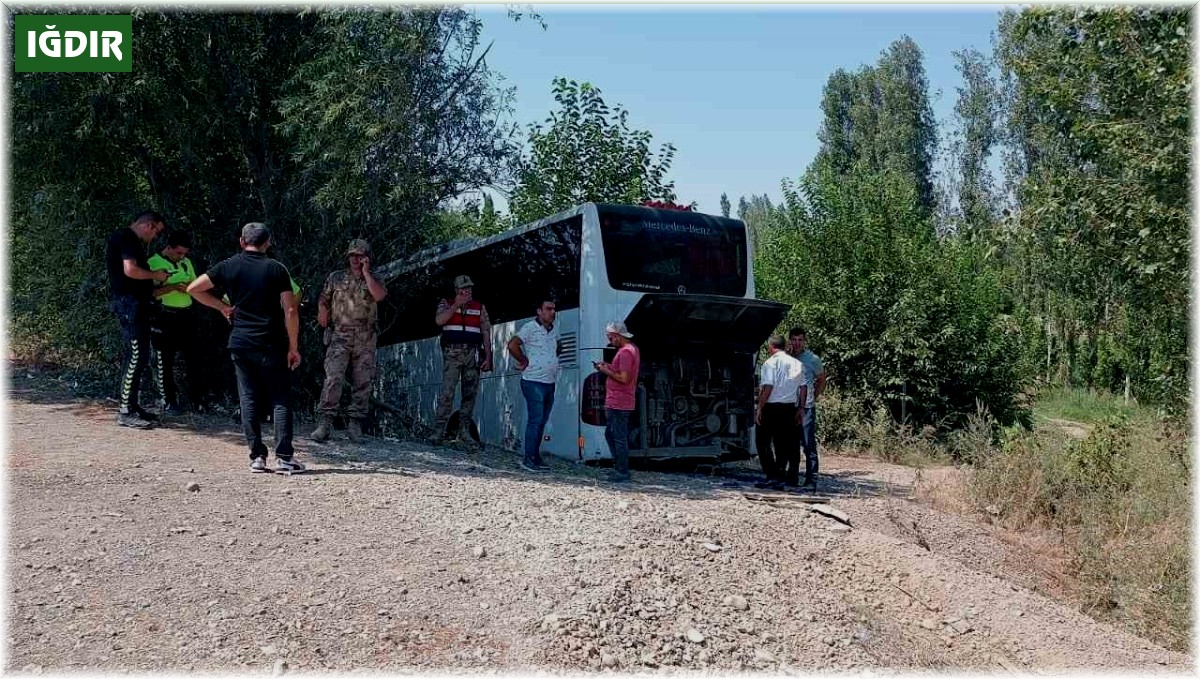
[(535, 350), (780, 381)]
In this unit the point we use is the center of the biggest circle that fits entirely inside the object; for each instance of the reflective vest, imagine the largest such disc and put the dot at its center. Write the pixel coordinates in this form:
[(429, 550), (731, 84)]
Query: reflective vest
[(180, 272), (464, 326)]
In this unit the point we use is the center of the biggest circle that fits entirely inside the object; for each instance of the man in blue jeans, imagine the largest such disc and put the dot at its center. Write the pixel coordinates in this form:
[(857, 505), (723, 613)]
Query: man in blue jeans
[(620, 400), (814, 373), (535, 350)]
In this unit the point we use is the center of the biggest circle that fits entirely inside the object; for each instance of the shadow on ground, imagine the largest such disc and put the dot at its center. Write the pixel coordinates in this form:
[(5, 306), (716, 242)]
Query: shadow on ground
[(383, 456)]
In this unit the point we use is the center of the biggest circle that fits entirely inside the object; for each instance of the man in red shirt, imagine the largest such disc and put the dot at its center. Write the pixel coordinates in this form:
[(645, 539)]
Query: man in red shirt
[(619, 396)]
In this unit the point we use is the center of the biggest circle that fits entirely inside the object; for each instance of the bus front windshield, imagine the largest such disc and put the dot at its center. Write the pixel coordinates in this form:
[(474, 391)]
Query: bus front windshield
[(673, 252)]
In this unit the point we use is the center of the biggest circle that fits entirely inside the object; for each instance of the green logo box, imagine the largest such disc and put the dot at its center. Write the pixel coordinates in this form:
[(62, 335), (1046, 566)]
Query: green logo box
[(73, 43)]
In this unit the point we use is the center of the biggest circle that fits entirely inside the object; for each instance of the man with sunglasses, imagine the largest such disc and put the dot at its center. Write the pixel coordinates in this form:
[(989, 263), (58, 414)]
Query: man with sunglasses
[(348, 309)]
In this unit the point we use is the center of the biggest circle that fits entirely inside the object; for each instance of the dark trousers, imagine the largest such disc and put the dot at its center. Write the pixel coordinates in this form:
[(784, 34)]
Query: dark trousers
[(617, 435), (134, 316), (779, 431), (539, 399), (173, 333), (262, 379), (808, 441)]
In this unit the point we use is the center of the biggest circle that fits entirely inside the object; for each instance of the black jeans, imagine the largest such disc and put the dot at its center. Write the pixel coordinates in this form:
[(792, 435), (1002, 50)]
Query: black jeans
[(617, 435), (262, 378), (134, 316), (172, 332), (779, 427)]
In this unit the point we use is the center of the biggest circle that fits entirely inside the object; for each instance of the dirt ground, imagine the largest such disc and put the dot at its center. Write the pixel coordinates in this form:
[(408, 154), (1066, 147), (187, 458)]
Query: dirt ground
[(396, 556)]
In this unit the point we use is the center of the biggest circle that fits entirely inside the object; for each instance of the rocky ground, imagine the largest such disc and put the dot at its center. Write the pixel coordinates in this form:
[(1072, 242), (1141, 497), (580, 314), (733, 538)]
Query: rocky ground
[(158, 551)]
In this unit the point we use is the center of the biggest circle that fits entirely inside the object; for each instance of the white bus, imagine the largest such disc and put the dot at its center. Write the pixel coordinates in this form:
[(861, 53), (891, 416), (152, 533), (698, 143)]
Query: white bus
[(681, 281)]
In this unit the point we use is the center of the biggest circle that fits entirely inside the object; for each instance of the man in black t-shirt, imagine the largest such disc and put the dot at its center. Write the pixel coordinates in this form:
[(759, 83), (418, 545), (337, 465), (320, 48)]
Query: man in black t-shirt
[(132, 285), (263, 342)]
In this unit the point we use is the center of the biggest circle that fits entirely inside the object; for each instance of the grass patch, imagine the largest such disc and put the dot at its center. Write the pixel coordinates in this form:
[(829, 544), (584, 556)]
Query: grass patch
[(1087, 406)]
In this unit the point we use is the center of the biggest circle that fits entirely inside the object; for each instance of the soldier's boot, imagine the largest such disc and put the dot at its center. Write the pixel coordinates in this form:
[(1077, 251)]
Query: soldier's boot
[(464, 435), (354, 430), (321, 433)]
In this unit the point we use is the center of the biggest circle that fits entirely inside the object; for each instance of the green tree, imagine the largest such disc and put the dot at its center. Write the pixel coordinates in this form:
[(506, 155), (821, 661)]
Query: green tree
[(976, 111), (586, 151), (396, 113), (324, 125), (489, 219), (903, 319), (724, 205), (880, 119), (1098, 122)]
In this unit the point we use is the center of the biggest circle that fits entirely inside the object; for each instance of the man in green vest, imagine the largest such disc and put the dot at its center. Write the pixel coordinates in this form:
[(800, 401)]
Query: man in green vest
[(173, 328)]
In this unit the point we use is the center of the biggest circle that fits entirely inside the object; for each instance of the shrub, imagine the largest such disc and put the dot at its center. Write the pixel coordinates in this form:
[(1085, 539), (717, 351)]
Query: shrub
[(1120, 499), (840, 415)]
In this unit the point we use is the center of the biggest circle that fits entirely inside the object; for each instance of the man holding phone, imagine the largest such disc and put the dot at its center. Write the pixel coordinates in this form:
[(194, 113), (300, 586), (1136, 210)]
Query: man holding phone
[(132, 285), (347, 309), (466, 333), (619, 396)]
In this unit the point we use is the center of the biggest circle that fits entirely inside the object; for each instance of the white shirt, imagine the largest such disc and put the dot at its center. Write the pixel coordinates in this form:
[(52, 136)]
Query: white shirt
[(540, 347), (784, 375)]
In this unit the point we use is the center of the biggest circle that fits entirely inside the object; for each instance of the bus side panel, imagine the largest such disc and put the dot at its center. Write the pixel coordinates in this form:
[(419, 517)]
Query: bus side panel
[(595, 307), (410, 377), (498, 400), (561, 438)]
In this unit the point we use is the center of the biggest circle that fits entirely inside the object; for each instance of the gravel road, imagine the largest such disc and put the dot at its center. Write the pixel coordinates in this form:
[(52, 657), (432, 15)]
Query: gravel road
[(158, 551)]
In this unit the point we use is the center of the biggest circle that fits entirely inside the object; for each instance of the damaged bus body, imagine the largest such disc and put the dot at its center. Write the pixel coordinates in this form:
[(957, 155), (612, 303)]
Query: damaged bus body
[(681, 281)]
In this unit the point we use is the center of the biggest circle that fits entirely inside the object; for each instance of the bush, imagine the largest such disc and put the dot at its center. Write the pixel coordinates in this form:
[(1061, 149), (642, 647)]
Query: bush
[(840, 415), (975, 441), (1120, 499), (883, 438)]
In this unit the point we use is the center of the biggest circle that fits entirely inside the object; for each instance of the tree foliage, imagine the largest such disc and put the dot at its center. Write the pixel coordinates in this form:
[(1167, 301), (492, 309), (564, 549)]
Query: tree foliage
[(880, 117), (325, 126), (1098, 126), (392, 117), (584, 152), (977, 113), (902, 318)]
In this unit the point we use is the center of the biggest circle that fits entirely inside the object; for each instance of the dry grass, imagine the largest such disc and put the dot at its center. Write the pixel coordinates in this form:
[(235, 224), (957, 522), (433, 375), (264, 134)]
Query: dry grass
[(1103, 506), (1120, 505)]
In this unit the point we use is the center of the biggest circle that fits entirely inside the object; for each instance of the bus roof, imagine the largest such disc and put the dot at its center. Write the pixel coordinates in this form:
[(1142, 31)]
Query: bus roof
[(438, 253)]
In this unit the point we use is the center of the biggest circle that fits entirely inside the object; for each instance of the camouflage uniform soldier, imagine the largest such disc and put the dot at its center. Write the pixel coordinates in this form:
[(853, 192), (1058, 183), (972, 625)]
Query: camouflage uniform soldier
[(465, 332), (347, 311)]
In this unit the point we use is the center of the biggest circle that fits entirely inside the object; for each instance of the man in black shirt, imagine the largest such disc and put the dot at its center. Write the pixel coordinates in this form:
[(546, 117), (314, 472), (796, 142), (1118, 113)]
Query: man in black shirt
[(264, 341), (132, 285)]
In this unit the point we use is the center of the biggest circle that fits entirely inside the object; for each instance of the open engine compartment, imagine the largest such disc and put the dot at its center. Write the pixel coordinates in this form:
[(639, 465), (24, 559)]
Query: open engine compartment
[(694, 405)]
